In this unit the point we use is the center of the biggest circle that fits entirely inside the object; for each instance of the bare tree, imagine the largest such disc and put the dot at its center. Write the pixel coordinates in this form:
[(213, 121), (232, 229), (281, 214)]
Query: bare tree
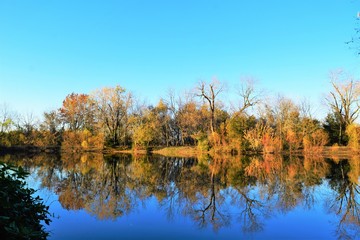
[(209, 92), (51, 121), (28, 123), (343, 100), (249, 96), (6, 118), (305, 109)]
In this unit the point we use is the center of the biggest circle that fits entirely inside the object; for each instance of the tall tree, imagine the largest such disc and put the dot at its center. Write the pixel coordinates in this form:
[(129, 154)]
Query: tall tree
[(191, 119), (164, 118), (113, 106), (77, 112), (284, 116), (209, 92), (51, 122), (343, 100), (147, 129)]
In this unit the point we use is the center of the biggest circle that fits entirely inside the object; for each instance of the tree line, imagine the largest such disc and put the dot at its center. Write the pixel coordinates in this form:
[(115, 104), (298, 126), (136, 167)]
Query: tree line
[(112, 117)]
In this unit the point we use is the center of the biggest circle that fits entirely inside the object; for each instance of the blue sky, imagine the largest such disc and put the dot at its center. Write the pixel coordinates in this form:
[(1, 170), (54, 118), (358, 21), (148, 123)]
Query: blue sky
[(49, 49)]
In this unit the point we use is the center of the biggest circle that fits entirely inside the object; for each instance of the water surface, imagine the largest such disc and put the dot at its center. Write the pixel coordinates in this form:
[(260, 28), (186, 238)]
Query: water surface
[(152, 197)]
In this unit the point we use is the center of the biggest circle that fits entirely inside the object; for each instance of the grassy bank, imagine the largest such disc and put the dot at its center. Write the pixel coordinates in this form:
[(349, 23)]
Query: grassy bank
[(183, 151)]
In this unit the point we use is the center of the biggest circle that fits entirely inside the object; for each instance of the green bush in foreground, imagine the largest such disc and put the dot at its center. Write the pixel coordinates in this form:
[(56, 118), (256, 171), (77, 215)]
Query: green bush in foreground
[(21, 214)]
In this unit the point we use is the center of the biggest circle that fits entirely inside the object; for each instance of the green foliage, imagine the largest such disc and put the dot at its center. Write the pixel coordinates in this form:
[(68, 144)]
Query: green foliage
[(21, 214), (335, 130), (202, 141)]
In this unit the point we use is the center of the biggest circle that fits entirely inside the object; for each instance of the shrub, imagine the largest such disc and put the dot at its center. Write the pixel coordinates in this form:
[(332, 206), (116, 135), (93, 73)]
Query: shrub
[(21, 214), (81, 141)]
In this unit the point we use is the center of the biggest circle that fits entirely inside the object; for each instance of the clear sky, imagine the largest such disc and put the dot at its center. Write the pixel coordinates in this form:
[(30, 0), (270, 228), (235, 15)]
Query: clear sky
[(50, 48)]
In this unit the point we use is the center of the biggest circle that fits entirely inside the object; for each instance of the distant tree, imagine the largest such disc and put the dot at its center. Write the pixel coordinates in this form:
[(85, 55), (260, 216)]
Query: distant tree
[(28, 123), (236, 127), (77, 141), (192, 120), (249, 97), (113, 106), (343, 101), (51, 122), (163, 115), (284, 117), (7, 122), (209, 92), (77, 112), (333, 126), (6, 118), (314, 141), (147, 129)]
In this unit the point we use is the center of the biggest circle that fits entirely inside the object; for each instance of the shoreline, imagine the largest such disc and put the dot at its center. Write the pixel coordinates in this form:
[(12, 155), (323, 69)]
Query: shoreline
[(181, 151)]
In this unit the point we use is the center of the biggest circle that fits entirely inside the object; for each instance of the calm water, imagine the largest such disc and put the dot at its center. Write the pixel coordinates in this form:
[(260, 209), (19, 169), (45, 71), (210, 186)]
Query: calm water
[(150, 197)]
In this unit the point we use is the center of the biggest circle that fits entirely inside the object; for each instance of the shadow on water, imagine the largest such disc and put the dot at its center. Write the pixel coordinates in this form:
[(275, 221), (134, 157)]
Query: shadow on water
[(217, 191)]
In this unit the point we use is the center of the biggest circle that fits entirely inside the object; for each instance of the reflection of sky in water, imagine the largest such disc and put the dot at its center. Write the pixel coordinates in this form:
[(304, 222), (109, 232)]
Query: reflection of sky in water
[(150, 220)]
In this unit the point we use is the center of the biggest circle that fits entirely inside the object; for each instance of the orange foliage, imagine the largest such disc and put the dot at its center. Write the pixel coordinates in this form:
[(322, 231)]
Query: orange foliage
[(315, 141), (75, 111), (81, 141), (293, 139), (271, 143)]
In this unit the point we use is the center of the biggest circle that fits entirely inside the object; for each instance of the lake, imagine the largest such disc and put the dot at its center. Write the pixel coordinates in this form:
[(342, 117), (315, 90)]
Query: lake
[(95, 196)]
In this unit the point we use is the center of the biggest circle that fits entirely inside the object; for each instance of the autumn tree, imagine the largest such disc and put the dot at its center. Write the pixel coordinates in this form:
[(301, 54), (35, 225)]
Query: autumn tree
[(77, 112), (353, 133), (240, 121), (343, 101), (192, 121), (50, 129), (146, 128), (82, 133), (236, 127), (283, 115), (113, 106), (209, 92), (175, 111), (51, 122), (163, 117)]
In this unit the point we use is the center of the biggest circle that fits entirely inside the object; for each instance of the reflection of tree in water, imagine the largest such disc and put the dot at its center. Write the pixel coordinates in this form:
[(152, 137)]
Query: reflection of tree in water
[(207, 198), (75, 176), (344, 180), (110, 197), (209, 207), (213, 191), (246, 196), (287, 181)]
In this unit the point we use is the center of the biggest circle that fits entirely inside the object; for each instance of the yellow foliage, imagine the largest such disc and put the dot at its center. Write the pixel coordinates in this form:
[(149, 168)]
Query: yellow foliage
[(81, 141), (353, 132), (84, 158), (354, 172), (84, 144), (315, 141), (293, 139)]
